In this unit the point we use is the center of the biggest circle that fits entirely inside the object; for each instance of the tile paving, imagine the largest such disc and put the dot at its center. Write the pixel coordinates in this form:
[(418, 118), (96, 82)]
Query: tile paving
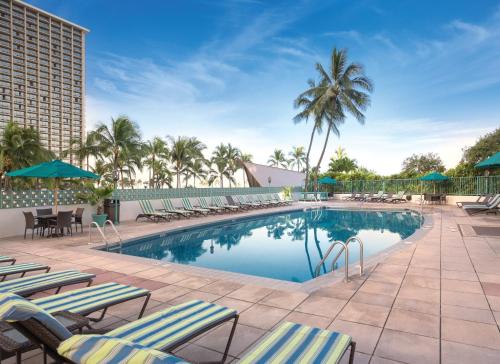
[(433, 300)]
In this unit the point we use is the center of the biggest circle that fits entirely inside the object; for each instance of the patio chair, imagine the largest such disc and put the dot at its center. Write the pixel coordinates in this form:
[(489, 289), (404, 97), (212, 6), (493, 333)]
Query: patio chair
[(260, 199), (238, 199), (78, 218), (375, 198), (150, 213), (30, 224), (22, 269), (27, 286), (286, 200), (250, 199), (164, 330), (7, 259), (349, 198), (491, 207), (385, 197), (487, 199), (168, 206), (219, 201), (189, 206), (64, 220), (398, 197), (204, 205)]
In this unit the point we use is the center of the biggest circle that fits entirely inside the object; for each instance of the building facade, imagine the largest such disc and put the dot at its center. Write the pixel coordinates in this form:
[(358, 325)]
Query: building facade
[(42, 74)]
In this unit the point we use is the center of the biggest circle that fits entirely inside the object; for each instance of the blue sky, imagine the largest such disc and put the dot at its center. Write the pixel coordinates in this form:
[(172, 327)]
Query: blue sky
[(228, 71)]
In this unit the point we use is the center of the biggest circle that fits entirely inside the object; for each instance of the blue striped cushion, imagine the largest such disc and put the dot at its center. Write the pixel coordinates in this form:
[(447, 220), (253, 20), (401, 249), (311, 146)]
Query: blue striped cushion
[(5, 258), (20, 268), (168, 328), (89, 299), (16, 308), (43, 281), (93, 349), (294, 343)]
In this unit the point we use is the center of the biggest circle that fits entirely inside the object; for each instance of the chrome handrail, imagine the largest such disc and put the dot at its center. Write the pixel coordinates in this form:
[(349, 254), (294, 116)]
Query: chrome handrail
[(361, 252), (109, 222), (102, 233), (343, 249)]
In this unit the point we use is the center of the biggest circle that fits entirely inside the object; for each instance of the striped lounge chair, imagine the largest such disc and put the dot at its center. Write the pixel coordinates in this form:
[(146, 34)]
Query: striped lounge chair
[(27, 286), (150, 213), (7, 259), (168, 206), (21, 269), (204, 205), (222, 202), (163, 331), (189, 206)]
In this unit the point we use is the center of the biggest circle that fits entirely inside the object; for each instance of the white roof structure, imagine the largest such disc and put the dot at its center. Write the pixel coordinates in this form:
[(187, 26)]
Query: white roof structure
[(260, 175)]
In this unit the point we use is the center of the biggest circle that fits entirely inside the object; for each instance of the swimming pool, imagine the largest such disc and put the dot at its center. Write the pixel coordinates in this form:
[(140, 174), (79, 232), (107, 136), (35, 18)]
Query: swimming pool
[(286, 245)]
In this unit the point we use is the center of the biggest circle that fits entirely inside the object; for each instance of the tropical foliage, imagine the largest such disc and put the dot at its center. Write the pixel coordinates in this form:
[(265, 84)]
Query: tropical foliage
[(277, 159), (420, 164)]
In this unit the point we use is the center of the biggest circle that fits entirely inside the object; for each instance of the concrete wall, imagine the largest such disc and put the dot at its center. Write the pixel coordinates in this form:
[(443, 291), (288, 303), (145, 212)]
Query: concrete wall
[(415, 199)]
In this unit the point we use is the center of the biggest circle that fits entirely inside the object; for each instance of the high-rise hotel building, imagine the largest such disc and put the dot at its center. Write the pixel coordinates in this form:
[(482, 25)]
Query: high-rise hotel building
[(42, 74)]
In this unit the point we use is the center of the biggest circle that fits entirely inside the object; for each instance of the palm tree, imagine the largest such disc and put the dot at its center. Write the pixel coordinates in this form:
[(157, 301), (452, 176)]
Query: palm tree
[(103, 169), (156, 149), (277, 159), (343, 89), (298, 157), (83, 149), (121, 143), (196, 170), (182, 151), (222, 167), (244, 158), (232, 157)]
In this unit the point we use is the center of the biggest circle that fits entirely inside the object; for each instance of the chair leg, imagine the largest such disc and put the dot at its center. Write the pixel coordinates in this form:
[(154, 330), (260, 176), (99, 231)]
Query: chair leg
[(230, 339), (351, 354), (25, 232)]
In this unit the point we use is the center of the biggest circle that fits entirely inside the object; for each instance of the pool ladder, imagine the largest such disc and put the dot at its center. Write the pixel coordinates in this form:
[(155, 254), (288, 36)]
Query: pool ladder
[(103, 235), (344, 249)]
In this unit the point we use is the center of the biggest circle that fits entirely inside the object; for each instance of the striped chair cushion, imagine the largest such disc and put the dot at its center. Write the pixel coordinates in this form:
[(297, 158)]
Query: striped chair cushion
[(172, 326), (90, 299), (294, 343), (20, 268), (41, 282), (93, 349), (16, 308), (5, 258)]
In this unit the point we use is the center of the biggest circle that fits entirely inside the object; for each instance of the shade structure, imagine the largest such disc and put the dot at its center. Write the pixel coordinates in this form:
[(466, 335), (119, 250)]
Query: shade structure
[(327, 181), (55, 169), (491, 162), (434, 176)]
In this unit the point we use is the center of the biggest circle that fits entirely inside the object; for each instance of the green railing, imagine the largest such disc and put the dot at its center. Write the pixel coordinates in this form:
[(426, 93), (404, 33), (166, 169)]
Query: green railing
[(31, 198), (479, 185)]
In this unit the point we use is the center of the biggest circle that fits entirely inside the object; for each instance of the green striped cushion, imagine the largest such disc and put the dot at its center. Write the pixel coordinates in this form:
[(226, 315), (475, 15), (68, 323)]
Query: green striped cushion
[(41, 282), (170, 327), (20, 268), (294, 343), (92, 349), (90, 299), (16, 308), (5, 258)]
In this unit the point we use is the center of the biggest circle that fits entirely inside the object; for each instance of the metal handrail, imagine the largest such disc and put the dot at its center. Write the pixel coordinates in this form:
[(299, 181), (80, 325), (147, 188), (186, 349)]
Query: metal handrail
[(102, 233), (343, 249), (361, 251), (109, 222)]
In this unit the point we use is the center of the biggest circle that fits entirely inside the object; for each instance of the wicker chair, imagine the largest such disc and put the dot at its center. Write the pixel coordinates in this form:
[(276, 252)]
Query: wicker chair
[(64, 220), (30, 224), (78, 218)]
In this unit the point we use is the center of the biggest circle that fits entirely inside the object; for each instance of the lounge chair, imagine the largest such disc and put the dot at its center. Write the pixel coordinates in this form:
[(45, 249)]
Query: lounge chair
[(218, 201), (204, 205), (487, 199), (150, 213), (164, 330), (375, 198), (492, 206), (349, 198), (385, 197), (7, 259), (359, 196), (285, 200), (189, 206), (260, 199), (22, 269), (27, 286), (398, 197), (242, 203), (254, 201), (168, 206)]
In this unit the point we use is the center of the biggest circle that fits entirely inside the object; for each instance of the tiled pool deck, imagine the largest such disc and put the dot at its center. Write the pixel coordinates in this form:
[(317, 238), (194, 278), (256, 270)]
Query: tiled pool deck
[(435, 299)]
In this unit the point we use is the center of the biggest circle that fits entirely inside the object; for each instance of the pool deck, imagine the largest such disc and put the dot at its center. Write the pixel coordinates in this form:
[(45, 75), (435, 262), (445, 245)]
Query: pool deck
[(433, 299)]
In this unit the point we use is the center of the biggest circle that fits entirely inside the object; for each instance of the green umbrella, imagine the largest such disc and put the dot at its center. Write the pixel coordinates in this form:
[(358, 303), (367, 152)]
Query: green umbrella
[(434, 177), (491, 162), (55, 169)]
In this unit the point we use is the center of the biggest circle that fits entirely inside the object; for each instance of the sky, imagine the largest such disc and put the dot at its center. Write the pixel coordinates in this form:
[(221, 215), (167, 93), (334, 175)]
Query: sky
[(229, 70)]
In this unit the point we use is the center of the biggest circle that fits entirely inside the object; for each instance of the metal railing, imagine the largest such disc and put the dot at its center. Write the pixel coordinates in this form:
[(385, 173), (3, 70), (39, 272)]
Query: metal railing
[(103, 234), (344, 249)]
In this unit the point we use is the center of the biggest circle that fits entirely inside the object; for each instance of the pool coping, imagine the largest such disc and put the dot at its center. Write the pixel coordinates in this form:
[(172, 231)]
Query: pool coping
[(307, 286)]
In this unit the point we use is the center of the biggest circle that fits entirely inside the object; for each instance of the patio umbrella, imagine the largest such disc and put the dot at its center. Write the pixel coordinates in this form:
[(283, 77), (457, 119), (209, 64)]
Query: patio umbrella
[(491, 162), (54, 169), (327, 181), (434, 177)]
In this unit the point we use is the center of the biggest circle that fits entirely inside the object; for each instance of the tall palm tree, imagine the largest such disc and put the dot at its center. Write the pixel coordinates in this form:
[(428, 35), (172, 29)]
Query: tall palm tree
[(182, 151), (156, 149), (232, 156), (103, 169), (277, 159), (221, 163), (298, 157), (245, 157), (120, 142), (84, 148), (196, 170), (342, 89)]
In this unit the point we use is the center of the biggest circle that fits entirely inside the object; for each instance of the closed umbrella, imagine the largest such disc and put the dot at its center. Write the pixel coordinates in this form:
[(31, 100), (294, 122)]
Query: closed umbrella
[(55, 169)]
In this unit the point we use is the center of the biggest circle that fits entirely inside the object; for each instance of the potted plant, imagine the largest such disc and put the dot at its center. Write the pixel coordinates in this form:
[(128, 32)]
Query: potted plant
[(95, 196)]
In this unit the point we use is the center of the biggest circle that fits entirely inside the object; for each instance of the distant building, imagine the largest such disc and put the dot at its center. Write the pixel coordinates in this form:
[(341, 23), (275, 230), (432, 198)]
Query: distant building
[(42, 74), (260, 175)]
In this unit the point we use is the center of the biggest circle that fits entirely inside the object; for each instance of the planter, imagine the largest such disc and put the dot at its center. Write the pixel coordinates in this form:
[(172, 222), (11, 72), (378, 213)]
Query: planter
[(99, 219)]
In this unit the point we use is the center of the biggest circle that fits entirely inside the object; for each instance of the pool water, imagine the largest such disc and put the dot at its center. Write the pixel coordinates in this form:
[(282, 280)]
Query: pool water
[(286, 246)]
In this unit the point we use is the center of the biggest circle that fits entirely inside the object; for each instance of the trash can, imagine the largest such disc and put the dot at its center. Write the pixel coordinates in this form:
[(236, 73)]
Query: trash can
[(112, 209)]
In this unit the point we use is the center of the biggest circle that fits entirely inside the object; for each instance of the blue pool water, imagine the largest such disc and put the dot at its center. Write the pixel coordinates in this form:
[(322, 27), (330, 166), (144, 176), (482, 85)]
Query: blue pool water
[(285, 246)]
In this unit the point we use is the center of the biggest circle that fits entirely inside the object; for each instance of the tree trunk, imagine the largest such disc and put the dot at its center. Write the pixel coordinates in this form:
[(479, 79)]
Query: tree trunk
[(328, 131), (152, 181), (178, 175), (244, 175), (307, 156), (221, 181), (88, 167)]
